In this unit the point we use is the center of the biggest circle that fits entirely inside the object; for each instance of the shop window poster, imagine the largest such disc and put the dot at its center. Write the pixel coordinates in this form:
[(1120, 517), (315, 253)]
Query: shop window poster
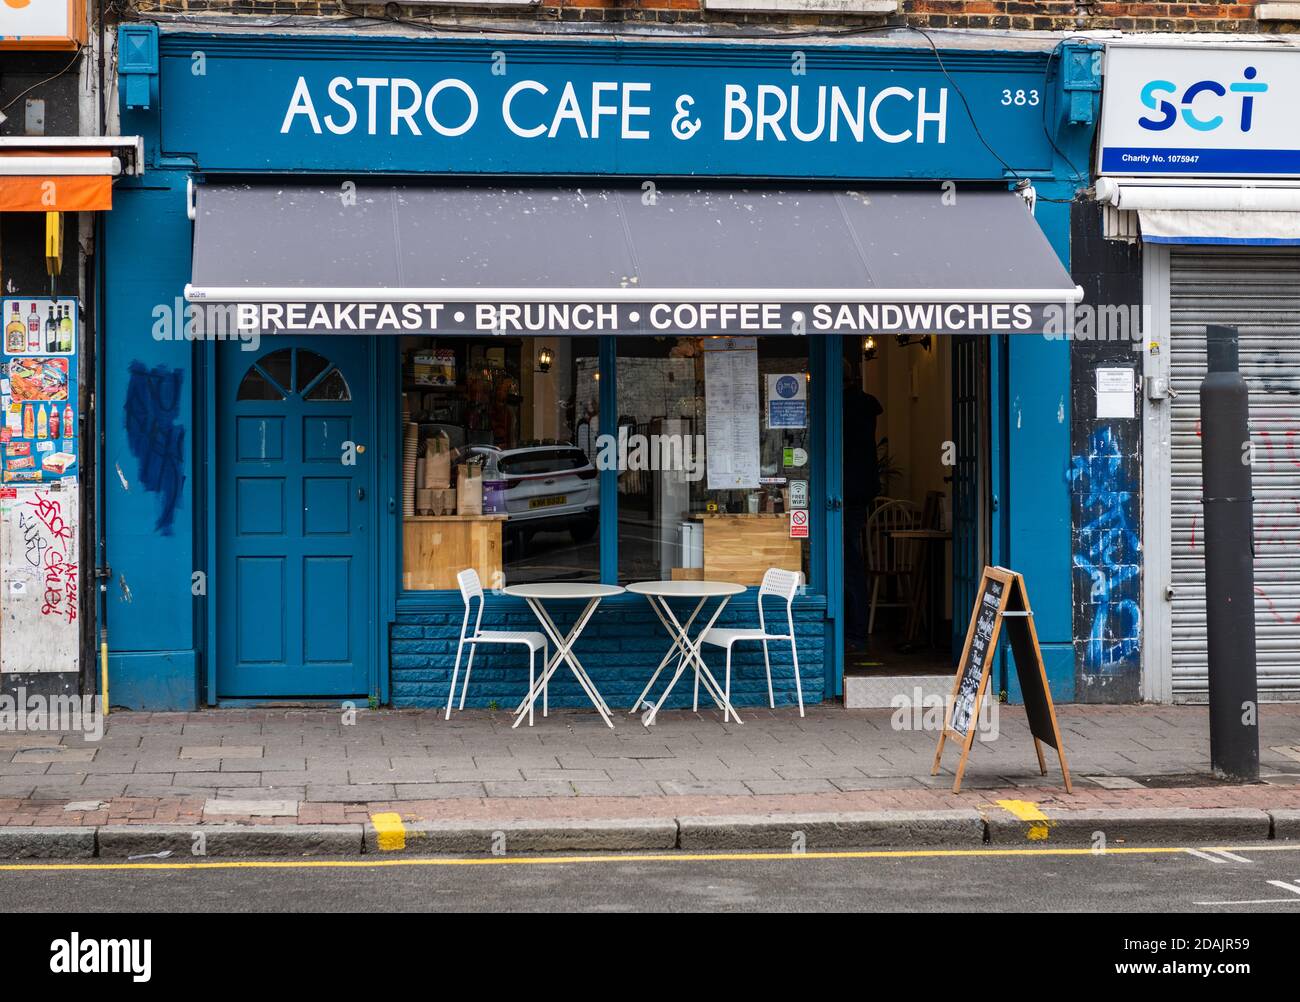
[(787, 400), (38, 389)]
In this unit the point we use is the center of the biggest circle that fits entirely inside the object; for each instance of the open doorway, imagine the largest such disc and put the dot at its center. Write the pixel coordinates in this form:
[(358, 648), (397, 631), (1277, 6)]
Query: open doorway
[(916, 526)]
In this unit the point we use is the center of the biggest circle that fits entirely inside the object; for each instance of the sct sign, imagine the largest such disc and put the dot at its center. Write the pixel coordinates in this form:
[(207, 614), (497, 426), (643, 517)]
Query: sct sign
[(42, 24), (1197, 111)]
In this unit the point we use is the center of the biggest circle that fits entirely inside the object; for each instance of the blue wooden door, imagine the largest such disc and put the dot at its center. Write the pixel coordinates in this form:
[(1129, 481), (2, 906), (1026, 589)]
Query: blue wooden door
[(294, 519)]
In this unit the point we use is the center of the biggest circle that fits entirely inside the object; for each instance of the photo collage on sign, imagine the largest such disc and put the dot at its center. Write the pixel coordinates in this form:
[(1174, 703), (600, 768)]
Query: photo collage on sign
[(38, 381)]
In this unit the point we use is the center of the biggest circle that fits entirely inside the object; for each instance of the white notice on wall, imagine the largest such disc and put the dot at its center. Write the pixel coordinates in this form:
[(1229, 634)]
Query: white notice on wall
[(731, 412), (38, 565), (1115, 393)]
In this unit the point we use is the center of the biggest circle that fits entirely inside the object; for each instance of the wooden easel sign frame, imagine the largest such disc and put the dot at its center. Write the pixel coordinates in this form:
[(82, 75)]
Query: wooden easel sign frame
[(1001, 596)]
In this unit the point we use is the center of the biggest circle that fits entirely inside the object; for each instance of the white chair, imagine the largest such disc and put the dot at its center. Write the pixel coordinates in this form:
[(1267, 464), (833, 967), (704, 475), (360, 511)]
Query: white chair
[(471, 588), (784, 584)]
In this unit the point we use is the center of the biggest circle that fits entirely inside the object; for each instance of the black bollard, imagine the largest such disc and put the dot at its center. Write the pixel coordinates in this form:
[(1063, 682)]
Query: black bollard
[(1229, 561)]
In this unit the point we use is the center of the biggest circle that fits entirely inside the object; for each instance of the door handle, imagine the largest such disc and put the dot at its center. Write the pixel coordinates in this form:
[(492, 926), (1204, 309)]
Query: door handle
[(834, 504), (361, 493)]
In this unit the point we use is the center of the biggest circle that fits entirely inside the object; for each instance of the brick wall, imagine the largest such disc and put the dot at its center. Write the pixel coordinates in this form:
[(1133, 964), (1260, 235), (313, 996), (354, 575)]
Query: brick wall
[(1020, 15), (619, 647)]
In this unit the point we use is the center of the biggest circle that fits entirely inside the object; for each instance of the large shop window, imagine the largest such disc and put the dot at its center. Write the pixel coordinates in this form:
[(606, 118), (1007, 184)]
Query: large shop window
[(498, 460), (712, 438)]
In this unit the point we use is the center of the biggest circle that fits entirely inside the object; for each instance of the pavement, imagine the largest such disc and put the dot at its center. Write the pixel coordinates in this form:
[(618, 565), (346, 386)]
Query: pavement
[(320, 782)]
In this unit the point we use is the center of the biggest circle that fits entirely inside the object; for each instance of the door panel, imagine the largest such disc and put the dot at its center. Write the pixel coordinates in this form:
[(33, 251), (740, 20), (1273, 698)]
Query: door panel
[(969, 477), (293, 589)]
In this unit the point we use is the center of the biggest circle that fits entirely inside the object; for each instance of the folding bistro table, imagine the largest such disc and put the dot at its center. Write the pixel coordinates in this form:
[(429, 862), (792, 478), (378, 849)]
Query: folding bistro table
[(535, 595), (687, 650)]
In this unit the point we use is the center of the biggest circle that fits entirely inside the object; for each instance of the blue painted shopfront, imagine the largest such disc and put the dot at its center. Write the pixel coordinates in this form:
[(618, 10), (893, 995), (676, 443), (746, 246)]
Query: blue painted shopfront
[(264, 108)]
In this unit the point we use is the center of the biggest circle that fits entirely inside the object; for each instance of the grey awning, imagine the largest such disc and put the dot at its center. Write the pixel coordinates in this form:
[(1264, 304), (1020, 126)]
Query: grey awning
[(408, 259)]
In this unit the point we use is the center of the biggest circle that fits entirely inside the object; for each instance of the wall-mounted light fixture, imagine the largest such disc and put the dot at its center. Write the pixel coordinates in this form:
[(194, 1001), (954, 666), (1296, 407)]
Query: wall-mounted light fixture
[(924, 340), (544, 359), (868, 349)]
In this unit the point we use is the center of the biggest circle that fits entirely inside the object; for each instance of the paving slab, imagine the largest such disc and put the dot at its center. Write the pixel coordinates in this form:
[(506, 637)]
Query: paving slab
[(255, 808), (220, 751)]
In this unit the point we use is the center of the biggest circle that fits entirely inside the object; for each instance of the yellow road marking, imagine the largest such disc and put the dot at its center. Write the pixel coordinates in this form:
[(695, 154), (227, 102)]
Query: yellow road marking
[(667, 856), (390, 833), (1027, 810)]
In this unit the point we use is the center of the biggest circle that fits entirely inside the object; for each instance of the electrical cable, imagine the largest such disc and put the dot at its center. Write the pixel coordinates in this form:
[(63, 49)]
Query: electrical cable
[(41, 83)]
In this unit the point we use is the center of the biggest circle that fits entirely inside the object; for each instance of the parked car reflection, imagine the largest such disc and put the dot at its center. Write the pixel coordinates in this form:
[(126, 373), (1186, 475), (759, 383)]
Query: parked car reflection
[(546, 488)]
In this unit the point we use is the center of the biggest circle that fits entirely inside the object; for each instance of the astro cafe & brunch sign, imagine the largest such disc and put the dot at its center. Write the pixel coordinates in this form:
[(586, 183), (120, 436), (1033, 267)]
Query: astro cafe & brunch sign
[(632, 109)]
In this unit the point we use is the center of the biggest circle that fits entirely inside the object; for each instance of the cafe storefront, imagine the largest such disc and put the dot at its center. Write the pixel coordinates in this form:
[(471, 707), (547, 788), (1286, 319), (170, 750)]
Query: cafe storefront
[(390, 308)]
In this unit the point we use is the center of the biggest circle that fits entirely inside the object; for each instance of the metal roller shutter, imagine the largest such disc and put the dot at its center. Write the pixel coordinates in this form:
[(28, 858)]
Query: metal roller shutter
[(1259, 291)]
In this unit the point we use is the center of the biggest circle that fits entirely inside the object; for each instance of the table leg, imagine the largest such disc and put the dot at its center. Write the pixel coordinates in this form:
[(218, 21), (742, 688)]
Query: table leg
[(564, 654), (691, 649), (562, 646), (674, 648)]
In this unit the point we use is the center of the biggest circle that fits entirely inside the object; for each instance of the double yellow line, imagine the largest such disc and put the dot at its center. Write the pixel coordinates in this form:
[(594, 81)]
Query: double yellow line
[(667, 856)]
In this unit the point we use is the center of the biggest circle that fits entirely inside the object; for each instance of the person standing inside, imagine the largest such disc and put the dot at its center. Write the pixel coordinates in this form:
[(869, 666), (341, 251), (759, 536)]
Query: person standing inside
[(861, 487)]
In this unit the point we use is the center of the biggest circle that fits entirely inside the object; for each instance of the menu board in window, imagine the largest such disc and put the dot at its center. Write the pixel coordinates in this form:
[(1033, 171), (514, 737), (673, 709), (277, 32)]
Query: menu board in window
[(731, 412)]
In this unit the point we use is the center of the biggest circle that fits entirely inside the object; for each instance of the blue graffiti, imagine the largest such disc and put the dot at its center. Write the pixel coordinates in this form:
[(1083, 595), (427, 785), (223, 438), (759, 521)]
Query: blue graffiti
[(1108, 552), (156, 439)]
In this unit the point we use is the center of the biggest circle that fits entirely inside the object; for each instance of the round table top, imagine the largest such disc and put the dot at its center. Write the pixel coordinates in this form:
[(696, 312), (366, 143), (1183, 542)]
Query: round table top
[(562, 589), (685, 589)]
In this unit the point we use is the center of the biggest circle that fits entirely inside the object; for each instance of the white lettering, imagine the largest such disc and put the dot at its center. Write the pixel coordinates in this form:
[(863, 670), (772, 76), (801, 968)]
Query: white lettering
[(300, 104)]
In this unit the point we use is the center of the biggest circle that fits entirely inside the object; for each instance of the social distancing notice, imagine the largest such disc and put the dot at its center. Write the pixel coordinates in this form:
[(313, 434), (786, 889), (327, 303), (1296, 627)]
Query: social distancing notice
[(1001, 599)]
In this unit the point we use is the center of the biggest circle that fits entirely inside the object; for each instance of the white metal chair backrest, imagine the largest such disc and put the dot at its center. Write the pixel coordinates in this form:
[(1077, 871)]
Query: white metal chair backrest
[(471, 588), (780, 582), (784, 584), (470, 585), (885, 553)]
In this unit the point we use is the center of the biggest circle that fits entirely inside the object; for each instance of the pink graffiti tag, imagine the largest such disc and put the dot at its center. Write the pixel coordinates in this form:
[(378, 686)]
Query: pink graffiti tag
[(50, 511), (60, 596)]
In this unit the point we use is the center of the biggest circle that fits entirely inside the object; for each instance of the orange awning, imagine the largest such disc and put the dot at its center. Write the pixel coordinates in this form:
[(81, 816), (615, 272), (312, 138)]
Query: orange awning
[(62, 180), (56, 193)]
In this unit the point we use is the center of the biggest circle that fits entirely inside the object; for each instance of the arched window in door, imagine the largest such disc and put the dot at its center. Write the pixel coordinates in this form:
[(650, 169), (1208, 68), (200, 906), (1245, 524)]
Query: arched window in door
[(289, 371)]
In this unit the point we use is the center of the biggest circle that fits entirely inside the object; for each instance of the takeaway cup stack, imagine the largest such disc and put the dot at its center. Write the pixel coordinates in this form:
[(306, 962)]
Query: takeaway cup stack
[(410, 453)]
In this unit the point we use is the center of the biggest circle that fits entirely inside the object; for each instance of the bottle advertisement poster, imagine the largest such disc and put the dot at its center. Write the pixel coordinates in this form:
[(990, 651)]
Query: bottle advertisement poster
[(38, 390)]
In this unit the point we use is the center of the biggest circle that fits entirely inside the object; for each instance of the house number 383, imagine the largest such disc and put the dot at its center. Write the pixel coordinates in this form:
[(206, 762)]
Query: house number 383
[(1019, 97)]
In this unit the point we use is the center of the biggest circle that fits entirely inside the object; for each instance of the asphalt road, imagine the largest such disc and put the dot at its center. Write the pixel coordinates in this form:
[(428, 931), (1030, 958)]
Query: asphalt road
[(1128, 880)]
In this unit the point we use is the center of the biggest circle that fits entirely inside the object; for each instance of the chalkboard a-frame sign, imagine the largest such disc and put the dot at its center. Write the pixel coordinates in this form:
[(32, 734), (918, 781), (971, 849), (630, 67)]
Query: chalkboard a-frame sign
[(1000, 599)]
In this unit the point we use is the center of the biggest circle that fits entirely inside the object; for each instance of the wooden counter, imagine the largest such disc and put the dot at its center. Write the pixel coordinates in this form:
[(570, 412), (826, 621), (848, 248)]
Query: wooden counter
[(740, 548), (435, 548)]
